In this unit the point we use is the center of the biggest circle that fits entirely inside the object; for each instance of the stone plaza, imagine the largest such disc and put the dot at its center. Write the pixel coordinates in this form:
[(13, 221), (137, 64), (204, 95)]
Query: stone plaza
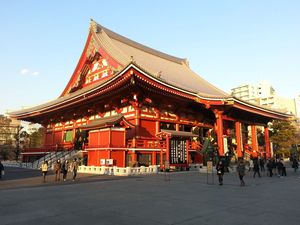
[(184, 198)]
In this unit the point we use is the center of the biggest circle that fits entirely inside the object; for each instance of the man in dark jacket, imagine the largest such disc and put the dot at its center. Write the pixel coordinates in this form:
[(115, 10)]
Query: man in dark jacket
[(57, 168), (1, 170), (220, 171), (256, 168), (270, 167)]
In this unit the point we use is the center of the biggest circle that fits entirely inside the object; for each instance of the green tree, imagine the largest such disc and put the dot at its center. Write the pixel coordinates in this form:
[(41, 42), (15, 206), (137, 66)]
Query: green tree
[(5, 152), (36, 138), (283, 135), (5, 133)]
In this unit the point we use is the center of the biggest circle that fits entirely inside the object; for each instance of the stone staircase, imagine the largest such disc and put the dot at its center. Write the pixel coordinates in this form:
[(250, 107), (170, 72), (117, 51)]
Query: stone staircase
[(53, 157)]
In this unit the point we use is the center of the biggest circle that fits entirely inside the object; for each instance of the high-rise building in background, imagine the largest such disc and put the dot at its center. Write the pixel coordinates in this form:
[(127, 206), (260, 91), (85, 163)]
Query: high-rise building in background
[(265, 95)]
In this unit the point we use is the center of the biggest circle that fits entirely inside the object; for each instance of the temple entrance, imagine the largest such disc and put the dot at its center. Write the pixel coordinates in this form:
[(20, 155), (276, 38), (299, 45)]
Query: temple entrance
[(144, 159), (81, 139)]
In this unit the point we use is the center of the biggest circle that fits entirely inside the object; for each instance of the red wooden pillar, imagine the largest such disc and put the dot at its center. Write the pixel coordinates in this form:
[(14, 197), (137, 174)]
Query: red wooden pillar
[(53, 137), (238, 136), (267, 142), (133, 156), (254, 141), (219, 130), (137, 120), (161, 158), (157, 123), (153, 158)]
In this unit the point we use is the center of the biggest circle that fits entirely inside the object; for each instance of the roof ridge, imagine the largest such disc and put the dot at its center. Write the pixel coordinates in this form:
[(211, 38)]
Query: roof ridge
[(98, 28)]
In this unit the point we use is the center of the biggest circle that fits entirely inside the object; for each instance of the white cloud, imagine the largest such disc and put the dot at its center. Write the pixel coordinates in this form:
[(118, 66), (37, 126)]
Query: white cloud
[(35, 73), (28, 72), (24, 71)]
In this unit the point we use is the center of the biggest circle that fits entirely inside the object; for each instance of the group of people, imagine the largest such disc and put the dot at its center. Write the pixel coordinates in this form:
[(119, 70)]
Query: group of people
[(257, 165), (59, 168), (241, 169)]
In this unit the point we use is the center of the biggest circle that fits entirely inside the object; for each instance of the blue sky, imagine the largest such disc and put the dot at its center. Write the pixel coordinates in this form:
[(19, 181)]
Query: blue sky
[(227, 42)]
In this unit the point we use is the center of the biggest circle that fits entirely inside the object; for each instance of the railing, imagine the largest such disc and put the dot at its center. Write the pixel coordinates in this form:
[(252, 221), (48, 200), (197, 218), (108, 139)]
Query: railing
[(60, 146), (52, 157), (147, 144), (142, 143), (51, 148), (25, 150)]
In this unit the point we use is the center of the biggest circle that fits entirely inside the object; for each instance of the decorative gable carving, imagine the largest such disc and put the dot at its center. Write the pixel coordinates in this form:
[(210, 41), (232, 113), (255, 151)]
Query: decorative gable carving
[(95, 68), (99, 68)]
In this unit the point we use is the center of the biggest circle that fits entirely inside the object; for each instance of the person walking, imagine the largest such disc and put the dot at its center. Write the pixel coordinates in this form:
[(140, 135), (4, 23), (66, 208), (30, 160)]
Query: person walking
[(295, 164), (280, 168), (74, 168), (64, 169), (241, 169), (270, 167), (57, 168), (44, 170), (262, 164), (1, 170), (256, 169), (220, 171), (251, 164)]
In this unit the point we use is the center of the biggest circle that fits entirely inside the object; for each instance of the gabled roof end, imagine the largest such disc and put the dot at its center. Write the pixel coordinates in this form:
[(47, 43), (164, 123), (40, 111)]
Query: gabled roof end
[(94, 26)]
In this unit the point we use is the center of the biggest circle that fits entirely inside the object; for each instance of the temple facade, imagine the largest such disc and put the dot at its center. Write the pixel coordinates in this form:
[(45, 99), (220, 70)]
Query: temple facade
[(127, 104)]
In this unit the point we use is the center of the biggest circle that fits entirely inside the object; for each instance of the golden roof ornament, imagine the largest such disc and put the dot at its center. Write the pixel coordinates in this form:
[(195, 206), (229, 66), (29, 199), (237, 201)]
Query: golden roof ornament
[(94, 26)]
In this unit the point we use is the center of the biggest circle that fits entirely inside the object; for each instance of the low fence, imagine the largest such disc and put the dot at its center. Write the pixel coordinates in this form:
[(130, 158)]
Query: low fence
[(16, 164), (131, 171), (118, 171)]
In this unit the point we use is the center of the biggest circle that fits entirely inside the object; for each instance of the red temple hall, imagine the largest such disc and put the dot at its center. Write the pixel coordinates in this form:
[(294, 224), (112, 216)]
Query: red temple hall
[(127, 104)]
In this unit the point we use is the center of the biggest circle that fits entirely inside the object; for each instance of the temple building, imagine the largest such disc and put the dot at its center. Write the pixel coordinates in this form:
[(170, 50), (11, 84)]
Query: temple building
[(132, 105)]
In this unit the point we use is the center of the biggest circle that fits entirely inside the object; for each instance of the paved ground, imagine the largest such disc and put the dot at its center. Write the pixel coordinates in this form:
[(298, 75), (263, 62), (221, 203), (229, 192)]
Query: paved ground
[(185, 199)]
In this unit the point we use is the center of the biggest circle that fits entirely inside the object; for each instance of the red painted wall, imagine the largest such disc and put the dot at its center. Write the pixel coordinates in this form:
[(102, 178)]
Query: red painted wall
[(147, 129), (104, 138), (118, 157), (93, 139), (117, 138), (95, 156), (58, 137)]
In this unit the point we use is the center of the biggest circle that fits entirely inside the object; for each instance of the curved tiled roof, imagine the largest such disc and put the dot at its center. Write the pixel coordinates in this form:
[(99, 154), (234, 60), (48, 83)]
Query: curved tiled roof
[(171, 69), (161, 67)]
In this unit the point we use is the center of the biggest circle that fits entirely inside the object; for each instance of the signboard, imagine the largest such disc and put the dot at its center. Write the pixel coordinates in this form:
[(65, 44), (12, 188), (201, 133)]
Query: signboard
[(209, 166), (177, 151), (109, 162), (102, 162), (210, 174), (225, 142)]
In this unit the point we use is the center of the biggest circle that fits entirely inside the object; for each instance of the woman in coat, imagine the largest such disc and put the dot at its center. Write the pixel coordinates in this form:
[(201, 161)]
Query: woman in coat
[(241, 169), (220, 171), (64, 169), (44, 170)]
